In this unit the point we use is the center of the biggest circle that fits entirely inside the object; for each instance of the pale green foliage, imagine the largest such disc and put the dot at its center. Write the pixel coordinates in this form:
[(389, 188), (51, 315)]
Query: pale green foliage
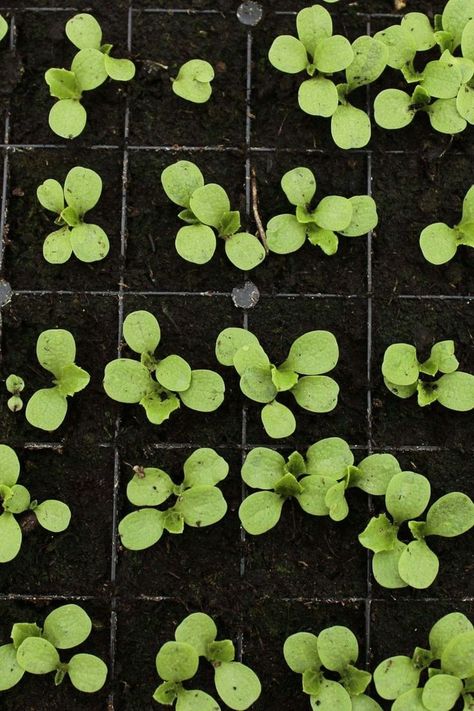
[(56, 353), (310, 355), (3, 27), (439, 243), (90, 68), (402, 369), (81, 192), (396, 564), (15, 500), (14, 385), (159, 386), (336, 650), (193, 82), (198, 501), (177, 661), (321, 54), (35, 650), (318, 222), (208, 215), (447, 666)]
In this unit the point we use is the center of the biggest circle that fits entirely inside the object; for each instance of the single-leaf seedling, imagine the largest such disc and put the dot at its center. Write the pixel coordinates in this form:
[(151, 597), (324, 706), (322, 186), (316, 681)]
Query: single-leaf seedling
[(193, 82), (439, 243)]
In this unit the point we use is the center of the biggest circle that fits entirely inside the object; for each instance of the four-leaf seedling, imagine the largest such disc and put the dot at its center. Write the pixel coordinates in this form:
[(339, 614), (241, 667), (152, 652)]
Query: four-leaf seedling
[(402, 369), (35, 650), (81, 192), (178, 661), (198, 501), (131, 381), (439, 243)]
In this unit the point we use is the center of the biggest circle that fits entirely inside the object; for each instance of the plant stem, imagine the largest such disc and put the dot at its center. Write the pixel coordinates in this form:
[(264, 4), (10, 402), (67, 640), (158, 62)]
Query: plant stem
[(256, 213)]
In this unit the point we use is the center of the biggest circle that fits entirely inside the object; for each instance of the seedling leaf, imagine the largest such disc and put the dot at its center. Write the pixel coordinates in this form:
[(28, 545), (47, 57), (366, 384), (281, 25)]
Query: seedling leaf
[(407, 496), (149, 487), (260, 512), (10, 671), (37, 656), (88, 67), (418, 565), (230, 340), (441, 692), (196, 243), (458, 656), (237, 685), (210, 204), (370, 59), (385, 567), (141, 331), (84, 31), (67, 118), (301, 652), (193, 81), (452, 515), (9, 465), (87, 672), (313, 24), (318, 97), (180, 180), (46, 409), (333, 54), (174, 373), (119, 69), (445, 630), (313, 353), (127, 380), (316, 393), (395, 676), (141, 529), (331, 696), (285, 234), (10, 537), (206, 392), (57, 247), (333, 213), (329, 457), (50, 195), (364, 216), (456, 391), (53, 515), (67, 626), (244, 251), (263, 468), (350, 127), (201, 506), (337, 648), (393, 109), (288, 54)]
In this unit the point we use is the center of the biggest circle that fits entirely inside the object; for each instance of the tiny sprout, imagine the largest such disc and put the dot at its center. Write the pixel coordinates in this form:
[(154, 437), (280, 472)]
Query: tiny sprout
[(198, 501), (402, 369), (3, 27), (178, 661), (56, 353), (318, 223), (81, 192), (310, 355), (15, 385), (15, 500), (193, 82), (131, 381), (396, 564), (439, 243), (35, 650), (207, 211), (336, 650)]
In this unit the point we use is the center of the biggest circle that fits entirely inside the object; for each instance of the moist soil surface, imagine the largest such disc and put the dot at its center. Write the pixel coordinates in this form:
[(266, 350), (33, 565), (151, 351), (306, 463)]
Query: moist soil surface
[(308, 572)]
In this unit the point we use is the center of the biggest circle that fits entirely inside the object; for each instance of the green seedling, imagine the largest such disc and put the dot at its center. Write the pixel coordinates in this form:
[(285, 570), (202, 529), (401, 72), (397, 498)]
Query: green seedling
[(198, 501), (15, 386), (35, 650), (81, 192), (174, 383), (90, 68), (318, 482), (178, 661), (15, 500), (439, 243), (402, 369), (56, 353), (321, 54), (433, 679), (351, 217), (319, 658), (207, 212), (310, 355), (396, 564), (3, 27), (193, 82)]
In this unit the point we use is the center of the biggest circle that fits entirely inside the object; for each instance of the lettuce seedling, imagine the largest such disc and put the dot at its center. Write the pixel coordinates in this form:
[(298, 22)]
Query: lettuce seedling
[(3, 27), (433, 679), (81, 192), (130, 381), (402, 369), (397, 564), (15, 500), (439, 243), (177, 661), (193, 82), (56, 353), (198, 501), (319, 658), (351, 217), (321, 54), (207, 212), (91, 66), (35, 650), (318, 481), (15, 385), (310, 355)]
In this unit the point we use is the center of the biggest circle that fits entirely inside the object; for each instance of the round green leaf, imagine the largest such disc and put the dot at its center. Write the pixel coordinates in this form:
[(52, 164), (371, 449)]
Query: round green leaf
[(407, 496), (230, 340), (263, 468), (260, 512), (87, 672), (410, 701), (251, 356), (301, 652), (50, 195), (313, 497), (288, 54), (441, 692), (364, 216), (333, 213), (46, 409), (149, 487), (84, 31), (458, 656), (313, 353), (350, 127), (442, 80), (210, 204), (444, 117), (206, 392), (196, 243), (364, 703), (9, 465), (37, 656), (313, 24), (375, 472), (67, 118), (204, 466), (421, 31), (337, 647), (201, 506), (370, 59), (326, 240), (244, 250), (278, 420), (456, 391), (126, 380), (329, 457), (193, 81), (456, 15), (53, 515), (465, 103), (198, 630), (193, 699), (317, 393), (89, 242), (333, 54), (318, 97), (57, 247), (180, 180), (285, 234), (141, 529), (173, 373), (400, 44), (385, 567), (467, 42), (451, 515), (400, 364), (418, 565), (10, 671), (379, 534), (141, 331), (331, 695), (67, 626), (438, 243), (395, 676), (62, 84), (10, 537), (55, 348), (119, 69), (446, 629), (393, 109), (237, 685), (82, 189), (177, 661), (89, 67), (256, 383)]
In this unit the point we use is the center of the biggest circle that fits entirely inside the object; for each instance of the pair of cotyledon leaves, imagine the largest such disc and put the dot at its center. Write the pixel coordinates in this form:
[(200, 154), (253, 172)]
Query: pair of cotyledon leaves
[(193, 82), (310, 355), (91, 66), (439, 243), (198, 503), (207, 210), (336, 650), (81, 192), (131, 381), (351, 217), (177, 661), (15, 499), (35, 650), (401, 370), (451, 646)]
